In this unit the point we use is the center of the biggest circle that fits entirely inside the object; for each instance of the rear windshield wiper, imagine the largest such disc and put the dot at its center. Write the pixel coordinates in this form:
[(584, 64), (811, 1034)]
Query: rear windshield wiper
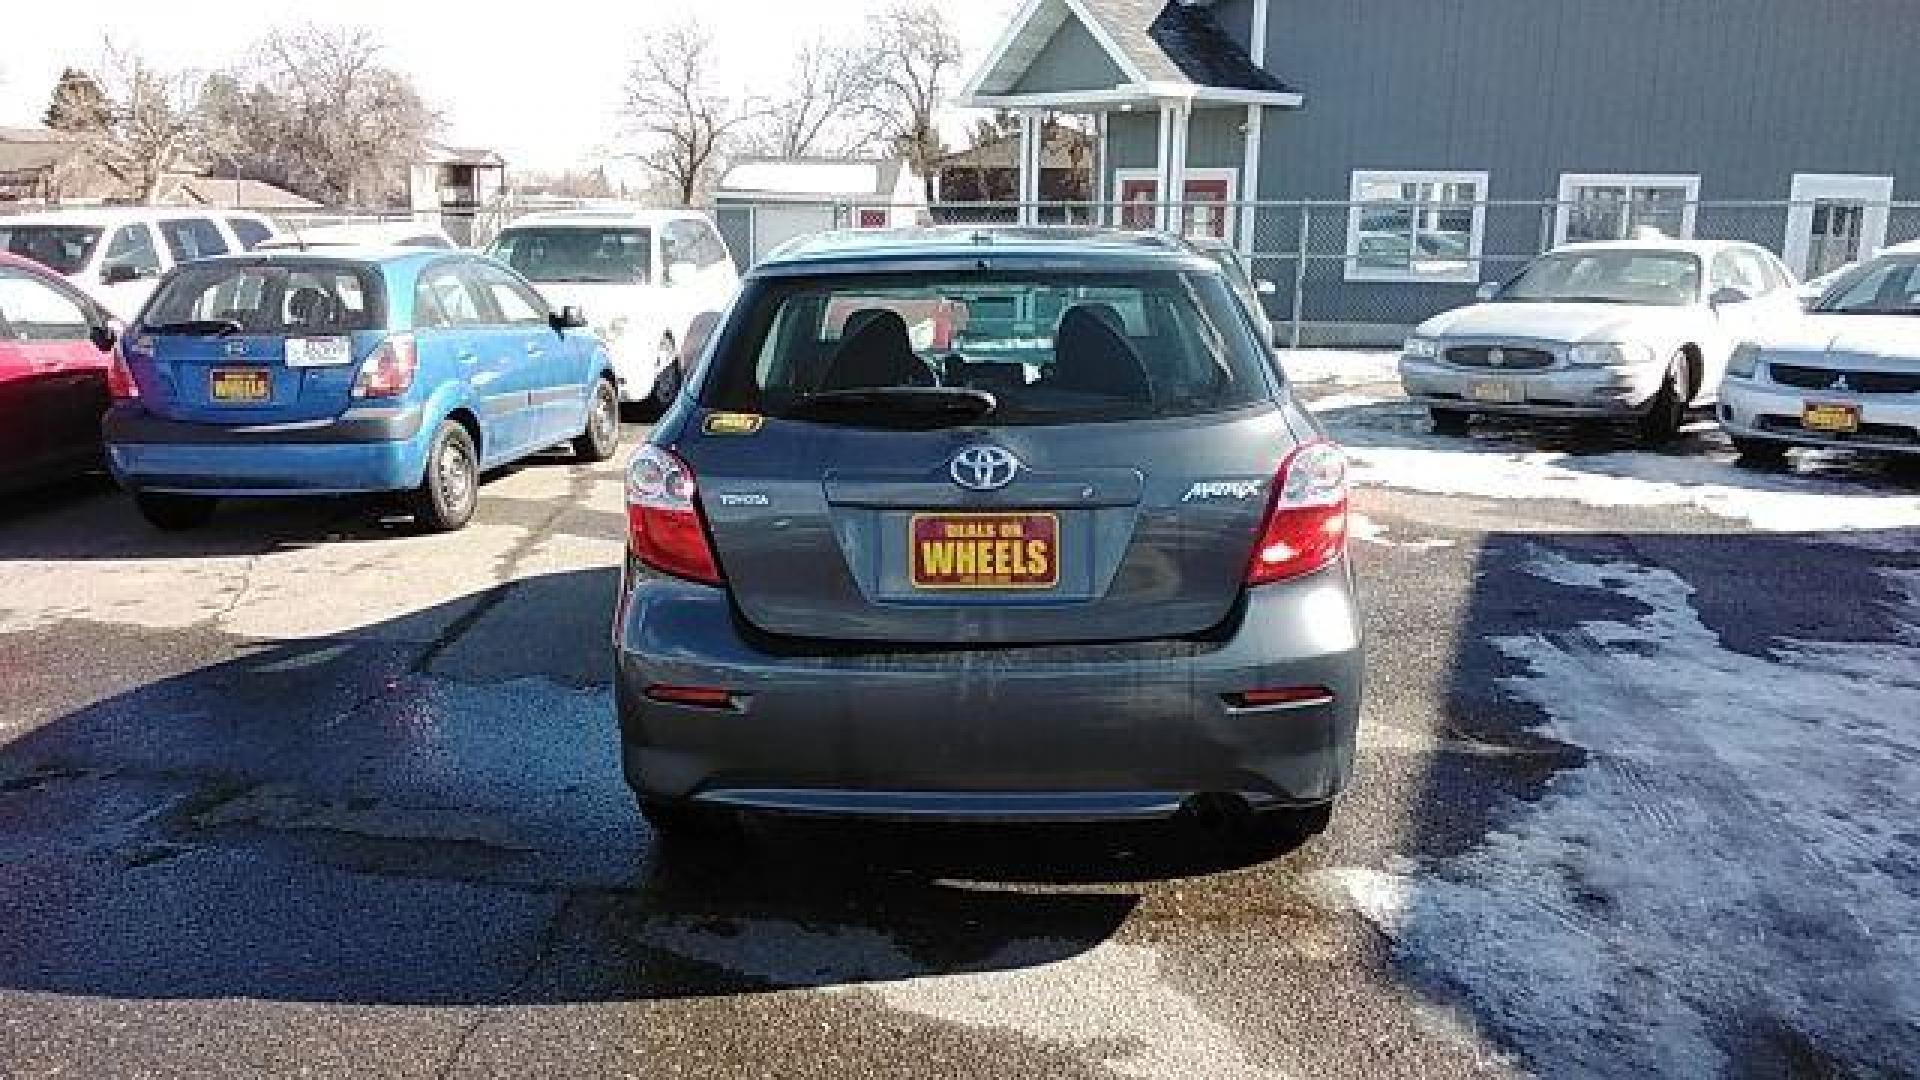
[(197, 328), (897, 406)]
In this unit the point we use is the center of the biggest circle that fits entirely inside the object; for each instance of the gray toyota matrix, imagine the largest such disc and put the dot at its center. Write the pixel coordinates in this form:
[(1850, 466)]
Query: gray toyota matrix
[(1014, 525)]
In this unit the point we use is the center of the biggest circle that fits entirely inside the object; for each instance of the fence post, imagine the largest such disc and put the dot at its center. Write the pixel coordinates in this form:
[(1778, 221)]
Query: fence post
[(1300, 271)]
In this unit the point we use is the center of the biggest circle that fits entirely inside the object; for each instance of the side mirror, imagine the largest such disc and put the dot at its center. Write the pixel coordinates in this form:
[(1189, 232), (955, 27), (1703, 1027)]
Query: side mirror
[(119, 273), (1488, 290), (1265, 287), (681, 273), (103, 336), (570, 317), (1728, 295)]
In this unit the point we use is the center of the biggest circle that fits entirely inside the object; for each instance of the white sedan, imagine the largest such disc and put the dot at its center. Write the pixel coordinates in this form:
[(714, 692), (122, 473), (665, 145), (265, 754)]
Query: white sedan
[(1630, 330), (1847, 375)]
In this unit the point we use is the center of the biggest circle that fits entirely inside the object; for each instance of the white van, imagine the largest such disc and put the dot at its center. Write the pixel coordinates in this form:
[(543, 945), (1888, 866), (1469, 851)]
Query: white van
[(642, 276), (116, 254)]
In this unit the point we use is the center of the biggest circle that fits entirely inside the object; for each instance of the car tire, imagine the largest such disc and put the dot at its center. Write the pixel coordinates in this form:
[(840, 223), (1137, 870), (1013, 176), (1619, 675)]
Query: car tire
[(175, 513), (1450, 421), (1661, 423), (686, 828), (1760, 451), (602, 436), (666, 384), (448, 492)]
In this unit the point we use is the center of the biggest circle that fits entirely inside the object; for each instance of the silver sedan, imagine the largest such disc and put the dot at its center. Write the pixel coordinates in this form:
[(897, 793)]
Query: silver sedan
[(1848, 375), (1635, 331)]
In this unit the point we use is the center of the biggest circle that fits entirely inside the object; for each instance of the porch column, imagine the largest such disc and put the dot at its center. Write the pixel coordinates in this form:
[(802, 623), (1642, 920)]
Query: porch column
[(1102, 174), (1163, 165), (1173, 183), (1031, 162), (1250, 181)]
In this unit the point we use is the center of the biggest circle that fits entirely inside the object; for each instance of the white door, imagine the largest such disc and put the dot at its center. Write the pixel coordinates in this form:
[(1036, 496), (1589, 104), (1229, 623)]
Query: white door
[(1835, 220)]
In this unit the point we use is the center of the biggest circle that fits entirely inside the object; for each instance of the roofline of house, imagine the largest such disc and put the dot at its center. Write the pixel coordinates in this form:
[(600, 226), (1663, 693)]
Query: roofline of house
[(1018, 25), (1137, 93)]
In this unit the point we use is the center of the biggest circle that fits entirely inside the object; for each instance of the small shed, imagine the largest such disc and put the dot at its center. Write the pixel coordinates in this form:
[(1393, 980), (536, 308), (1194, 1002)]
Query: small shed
[(763, 202), (455, 187)]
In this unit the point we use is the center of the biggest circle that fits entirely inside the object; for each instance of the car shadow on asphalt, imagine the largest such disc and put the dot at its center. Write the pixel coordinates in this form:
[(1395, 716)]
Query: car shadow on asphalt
[(370, 818)]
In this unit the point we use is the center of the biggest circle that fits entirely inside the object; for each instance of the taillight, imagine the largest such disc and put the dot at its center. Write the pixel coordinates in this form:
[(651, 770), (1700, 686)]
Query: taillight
[(1306, 526), (664, 526), (389, 371), (120, 384)]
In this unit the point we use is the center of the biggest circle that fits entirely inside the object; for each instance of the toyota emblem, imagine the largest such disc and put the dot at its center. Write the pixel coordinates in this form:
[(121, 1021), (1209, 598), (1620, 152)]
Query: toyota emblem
[(983, 467), (1497, 357)]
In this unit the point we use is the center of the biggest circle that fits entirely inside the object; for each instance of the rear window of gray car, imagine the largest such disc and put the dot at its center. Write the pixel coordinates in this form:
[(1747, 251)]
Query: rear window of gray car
[(1051, 348), (274, 298)]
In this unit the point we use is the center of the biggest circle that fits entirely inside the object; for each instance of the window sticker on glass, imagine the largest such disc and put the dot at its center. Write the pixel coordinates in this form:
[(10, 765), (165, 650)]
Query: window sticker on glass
[(319, 352)]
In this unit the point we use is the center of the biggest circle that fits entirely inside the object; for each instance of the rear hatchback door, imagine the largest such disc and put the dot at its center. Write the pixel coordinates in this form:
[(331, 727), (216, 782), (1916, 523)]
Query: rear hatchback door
[(1114, 490), (257, 341)]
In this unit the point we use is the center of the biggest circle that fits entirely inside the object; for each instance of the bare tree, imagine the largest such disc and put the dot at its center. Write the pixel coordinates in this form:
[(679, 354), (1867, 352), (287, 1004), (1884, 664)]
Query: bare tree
[(683, 120), (155, 118), (915, 56), (819, 110), (322, 109)]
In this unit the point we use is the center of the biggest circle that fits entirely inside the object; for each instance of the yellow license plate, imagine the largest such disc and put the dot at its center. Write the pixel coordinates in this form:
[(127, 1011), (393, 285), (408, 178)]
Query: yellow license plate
[(1817, 416), (1501, 393), (242, 384), (985, 551)]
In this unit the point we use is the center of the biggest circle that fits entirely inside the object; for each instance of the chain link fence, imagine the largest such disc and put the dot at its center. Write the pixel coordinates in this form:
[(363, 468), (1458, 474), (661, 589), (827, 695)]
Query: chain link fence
[(1363, 273)]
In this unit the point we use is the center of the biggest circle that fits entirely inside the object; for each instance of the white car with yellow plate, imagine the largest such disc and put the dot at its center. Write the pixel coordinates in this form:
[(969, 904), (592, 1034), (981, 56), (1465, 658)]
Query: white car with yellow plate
[(1631, 330), (1848, 375)]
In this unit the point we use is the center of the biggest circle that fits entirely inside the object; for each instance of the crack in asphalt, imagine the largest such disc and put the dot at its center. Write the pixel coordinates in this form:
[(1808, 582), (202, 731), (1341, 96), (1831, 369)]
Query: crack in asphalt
[(543, 951), (506, 572), (247, 570)]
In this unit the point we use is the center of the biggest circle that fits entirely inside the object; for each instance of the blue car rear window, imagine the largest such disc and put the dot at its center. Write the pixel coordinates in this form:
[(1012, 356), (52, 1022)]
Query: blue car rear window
[(273, 298)]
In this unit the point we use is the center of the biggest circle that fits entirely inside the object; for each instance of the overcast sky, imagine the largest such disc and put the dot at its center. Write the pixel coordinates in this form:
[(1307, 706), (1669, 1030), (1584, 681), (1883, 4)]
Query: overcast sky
[(541, 88)]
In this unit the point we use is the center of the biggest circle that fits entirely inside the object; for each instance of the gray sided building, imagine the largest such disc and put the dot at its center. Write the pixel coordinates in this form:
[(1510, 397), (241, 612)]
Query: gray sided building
[(1461, 137)]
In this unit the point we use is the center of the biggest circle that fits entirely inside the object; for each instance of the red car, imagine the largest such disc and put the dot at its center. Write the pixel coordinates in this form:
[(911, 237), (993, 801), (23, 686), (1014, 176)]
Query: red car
[(56, 349)]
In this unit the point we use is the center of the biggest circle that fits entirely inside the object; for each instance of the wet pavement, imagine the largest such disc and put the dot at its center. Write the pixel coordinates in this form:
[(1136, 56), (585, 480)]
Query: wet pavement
[(304, 793)]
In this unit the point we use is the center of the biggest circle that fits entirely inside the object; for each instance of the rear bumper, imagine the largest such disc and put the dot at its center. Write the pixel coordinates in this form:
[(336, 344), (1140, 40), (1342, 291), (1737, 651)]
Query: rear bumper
[(1618, 393), (1890, 423), (1071, 732), (365, 450)]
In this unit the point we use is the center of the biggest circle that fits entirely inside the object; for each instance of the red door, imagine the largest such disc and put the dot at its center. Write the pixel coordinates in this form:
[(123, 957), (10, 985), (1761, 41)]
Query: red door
[(1137, 197), (1207, 212)]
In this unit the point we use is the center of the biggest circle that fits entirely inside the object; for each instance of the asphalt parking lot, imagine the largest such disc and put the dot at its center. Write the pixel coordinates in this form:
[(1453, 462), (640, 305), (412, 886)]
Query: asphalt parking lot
[(307, 793)]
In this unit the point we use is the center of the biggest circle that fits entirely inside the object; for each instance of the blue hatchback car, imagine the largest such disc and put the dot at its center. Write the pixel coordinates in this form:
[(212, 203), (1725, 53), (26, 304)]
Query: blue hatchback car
[(298, 373)]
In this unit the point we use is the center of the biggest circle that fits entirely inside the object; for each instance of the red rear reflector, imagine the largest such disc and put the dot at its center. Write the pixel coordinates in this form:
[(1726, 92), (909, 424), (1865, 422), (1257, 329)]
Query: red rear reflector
[(705, 697), (1286, 695)]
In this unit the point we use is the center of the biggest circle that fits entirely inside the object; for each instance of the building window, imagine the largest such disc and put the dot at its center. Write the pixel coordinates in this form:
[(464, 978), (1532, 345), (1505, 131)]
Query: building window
[(1601, 206), (1416, 226)]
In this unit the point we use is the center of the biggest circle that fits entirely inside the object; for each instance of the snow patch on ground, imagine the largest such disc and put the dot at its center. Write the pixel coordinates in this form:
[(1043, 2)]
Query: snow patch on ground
[(1108, 1001), (1391, 445), (1740, 857), (1340, 367), (1367, 530)]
